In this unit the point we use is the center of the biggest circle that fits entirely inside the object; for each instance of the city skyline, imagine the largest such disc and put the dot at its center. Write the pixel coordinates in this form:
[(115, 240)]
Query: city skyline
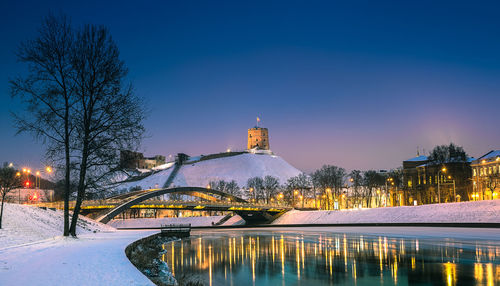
[(334, 83)]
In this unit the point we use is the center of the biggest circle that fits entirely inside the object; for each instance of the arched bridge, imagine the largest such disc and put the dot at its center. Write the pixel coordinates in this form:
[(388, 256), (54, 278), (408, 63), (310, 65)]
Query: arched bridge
[(212, 200)]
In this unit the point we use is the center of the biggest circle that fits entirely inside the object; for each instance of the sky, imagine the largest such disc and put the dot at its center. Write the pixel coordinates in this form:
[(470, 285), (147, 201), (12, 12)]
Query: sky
[(357, 84)]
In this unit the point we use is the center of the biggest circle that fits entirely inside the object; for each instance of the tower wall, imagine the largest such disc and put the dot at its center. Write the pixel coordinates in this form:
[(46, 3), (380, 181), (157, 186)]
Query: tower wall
[(258, 137)]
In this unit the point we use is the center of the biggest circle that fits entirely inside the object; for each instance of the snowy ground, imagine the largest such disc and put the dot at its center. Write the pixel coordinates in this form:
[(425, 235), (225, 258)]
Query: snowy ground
[(93, 259), (150, 222), (474, 212), (23, 224)]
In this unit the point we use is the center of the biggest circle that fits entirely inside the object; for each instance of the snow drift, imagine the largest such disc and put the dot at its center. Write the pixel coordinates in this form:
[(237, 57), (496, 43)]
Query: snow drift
[(24, 224)]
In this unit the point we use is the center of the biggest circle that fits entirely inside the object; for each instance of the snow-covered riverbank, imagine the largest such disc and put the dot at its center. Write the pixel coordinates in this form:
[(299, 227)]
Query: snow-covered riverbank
[(92, 259), (465, 212), (158, 222)]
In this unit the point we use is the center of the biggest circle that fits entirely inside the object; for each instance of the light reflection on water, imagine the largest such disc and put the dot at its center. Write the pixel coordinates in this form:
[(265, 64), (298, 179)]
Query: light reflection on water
[(281, 258)]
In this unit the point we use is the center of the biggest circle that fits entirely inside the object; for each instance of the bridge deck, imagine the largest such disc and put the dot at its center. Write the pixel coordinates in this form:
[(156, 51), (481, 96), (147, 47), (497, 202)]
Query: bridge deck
[(173, 205)]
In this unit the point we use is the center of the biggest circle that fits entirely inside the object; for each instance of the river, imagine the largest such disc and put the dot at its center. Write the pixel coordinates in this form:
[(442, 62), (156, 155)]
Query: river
[(281, 257)]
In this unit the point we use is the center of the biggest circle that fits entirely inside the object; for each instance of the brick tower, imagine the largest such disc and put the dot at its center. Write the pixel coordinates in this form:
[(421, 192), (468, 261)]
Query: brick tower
[(258, 137)]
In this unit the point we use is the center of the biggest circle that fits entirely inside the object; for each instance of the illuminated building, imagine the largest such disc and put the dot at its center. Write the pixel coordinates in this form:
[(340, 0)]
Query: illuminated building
[(486, 176)]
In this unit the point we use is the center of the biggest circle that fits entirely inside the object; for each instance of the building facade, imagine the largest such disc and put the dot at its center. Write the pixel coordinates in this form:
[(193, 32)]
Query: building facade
[(486, 176), (429, 182), (258, 137)]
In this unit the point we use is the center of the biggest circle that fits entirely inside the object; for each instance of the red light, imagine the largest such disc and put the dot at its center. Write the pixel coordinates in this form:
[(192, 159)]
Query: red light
[(27, 184), (35, 197)]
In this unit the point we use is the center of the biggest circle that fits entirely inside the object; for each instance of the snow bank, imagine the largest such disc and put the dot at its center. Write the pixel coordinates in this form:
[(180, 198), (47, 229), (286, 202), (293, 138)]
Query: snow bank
[(25, 224), (472, 212), (235, 220), (152, 222)]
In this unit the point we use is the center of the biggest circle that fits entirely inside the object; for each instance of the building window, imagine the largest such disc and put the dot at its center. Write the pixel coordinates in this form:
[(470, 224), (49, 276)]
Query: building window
[(409, 183), (474, 172)]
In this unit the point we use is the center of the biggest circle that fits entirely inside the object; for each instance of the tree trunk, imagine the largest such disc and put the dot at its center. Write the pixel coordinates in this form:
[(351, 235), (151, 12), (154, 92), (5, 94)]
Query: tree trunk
[(81, 189), (1, 211), (67, 171), (79, 197)]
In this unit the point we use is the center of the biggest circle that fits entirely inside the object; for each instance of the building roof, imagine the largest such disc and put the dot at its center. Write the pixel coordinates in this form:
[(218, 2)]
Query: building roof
[(492, 155), (469, 160), (417, 159)]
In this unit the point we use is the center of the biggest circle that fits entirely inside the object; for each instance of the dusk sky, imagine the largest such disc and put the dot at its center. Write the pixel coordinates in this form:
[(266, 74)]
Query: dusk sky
[(358, 84)]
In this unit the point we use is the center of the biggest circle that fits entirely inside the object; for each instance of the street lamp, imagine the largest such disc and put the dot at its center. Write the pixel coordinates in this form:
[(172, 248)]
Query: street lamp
[(37, 180), (454, 192), (443, 170)]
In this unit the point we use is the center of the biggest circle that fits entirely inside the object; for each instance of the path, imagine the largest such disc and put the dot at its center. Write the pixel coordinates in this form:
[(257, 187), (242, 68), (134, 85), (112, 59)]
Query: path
[(93, 259)]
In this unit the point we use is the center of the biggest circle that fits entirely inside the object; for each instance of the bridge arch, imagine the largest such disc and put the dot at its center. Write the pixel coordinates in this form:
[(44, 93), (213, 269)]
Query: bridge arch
[(194, 191)]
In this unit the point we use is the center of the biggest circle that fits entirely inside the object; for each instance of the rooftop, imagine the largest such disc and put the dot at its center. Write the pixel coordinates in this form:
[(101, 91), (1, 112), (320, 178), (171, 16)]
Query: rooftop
[(417, 159), (490, 156)]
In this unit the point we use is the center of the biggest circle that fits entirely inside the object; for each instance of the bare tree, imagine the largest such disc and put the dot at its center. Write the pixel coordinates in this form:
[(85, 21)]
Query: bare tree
[(108, 116), (356, 179), (271, 185), (47, 94), (301, 185), (255, 187), (330, 179), (10, 179), (233, 189), (230, 188), (372, 181)]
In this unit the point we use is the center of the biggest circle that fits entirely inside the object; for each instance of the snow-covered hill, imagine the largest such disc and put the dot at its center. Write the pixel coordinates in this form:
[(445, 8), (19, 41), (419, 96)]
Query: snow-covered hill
[(239, 168), (24, 224)]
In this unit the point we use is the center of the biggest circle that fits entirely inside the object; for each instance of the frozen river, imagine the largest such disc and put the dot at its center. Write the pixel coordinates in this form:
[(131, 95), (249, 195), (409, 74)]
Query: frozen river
[(346, 256)]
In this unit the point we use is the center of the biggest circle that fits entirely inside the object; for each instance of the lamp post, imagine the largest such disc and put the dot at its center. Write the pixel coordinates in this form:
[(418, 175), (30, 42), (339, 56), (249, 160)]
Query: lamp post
[(439, 185), (454, 192)]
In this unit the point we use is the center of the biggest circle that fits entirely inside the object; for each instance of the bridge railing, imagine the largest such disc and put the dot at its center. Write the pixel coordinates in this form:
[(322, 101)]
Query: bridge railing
[(113, 203)]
